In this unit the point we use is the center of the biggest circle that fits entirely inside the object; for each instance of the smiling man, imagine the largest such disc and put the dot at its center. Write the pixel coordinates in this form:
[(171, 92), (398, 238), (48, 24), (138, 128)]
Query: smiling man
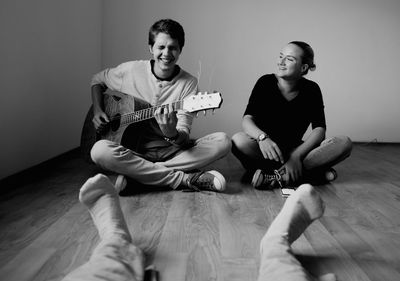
[(158, 151)]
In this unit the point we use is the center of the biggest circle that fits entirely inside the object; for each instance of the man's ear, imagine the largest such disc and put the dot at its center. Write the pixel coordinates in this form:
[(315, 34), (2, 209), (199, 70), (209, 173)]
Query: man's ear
[(151, 49)]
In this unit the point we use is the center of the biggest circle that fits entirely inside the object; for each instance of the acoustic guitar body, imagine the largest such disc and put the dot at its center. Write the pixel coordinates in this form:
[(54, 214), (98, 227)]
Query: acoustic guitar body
[(116, 105)]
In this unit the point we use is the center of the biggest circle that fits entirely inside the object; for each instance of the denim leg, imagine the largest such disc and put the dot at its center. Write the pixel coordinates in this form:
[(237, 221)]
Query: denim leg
[(330, 152)]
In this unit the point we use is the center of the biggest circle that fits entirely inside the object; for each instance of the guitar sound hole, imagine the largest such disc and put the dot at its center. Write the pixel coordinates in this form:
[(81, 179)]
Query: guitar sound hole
[(115, 122)]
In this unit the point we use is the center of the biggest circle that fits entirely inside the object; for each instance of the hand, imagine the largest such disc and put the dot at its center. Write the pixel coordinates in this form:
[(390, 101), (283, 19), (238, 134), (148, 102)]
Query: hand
[(167, 120), (270, 150), (294, 168), (100, 120)]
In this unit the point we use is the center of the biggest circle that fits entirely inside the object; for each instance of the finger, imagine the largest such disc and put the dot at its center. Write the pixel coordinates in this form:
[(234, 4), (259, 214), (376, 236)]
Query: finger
[(277, 153), (96, 123), (104, 118), (165, 110), (158, 111), (265, 154), (274, 156), (280, 156), (171, 109)]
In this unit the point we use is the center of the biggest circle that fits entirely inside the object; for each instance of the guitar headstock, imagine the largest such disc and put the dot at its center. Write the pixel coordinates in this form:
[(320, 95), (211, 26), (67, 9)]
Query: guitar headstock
[(202, 101)]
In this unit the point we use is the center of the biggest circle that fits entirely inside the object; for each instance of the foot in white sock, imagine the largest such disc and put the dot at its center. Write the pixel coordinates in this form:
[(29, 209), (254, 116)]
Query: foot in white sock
[(100, 197), (299, 211)]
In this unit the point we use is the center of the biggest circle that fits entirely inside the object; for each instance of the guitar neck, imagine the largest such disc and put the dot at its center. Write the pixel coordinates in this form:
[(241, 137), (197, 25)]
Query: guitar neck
[(147, 113)]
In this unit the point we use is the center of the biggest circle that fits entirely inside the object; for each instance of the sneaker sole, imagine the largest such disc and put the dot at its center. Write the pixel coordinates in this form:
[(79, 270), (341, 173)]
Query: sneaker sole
[(257, 180), (220, 180)]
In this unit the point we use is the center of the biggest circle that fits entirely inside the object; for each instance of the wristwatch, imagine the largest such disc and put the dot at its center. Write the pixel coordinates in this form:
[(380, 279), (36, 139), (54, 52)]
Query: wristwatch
[(172, 139), (262, 137)]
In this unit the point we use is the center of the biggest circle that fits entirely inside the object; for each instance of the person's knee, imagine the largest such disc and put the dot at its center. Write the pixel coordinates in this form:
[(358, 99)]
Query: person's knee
[(223, 143), (239, 141), (346, 144), (100, 151)]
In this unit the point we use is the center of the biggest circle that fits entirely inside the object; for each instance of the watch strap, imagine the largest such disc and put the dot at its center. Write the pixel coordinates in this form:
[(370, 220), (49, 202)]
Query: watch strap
[(172, 139)]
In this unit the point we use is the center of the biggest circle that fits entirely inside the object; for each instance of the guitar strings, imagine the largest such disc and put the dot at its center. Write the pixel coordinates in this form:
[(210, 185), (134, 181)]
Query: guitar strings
[(143, 114)]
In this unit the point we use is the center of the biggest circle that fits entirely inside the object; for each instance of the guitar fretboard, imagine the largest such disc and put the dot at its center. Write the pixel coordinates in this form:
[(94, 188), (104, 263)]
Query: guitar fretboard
[(147, 113)]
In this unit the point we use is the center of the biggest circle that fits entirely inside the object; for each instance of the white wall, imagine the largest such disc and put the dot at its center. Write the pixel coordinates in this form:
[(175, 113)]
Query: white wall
[(356, 44), (49, 50)]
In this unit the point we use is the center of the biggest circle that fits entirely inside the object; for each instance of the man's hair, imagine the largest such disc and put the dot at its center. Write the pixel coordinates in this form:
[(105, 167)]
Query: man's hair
[(170, 27)]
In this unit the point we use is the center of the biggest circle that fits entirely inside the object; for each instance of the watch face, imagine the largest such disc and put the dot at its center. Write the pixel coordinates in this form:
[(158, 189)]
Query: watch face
[(261, 137)]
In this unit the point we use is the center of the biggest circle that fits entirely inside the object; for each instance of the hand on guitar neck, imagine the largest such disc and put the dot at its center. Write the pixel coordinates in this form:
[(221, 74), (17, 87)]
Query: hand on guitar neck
[(167, 120)]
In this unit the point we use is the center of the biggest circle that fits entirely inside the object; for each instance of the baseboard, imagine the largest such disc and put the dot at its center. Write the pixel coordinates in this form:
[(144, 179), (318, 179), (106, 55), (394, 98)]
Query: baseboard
[(32, 172)]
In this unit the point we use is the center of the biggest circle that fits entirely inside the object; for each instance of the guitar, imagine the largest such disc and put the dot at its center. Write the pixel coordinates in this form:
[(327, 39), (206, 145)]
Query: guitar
[(124, 111)]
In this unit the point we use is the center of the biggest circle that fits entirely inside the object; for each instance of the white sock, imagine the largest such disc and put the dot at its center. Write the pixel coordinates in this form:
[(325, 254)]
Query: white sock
[(299, 211), (100, 197)]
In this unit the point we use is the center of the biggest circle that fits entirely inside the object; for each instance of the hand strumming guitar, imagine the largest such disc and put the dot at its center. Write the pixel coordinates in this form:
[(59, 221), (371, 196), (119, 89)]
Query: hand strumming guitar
[(100, 119)]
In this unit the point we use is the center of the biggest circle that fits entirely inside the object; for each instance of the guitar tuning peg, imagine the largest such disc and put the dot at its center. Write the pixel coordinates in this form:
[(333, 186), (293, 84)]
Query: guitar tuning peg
[(204, 112), (197, 114), (205, 93)]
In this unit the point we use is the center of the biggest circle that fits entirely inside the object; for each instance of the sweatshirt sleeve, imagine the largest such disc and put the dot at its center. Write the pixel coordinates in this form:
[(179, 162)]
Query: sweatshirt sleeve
[(112, 78), (185, 119)]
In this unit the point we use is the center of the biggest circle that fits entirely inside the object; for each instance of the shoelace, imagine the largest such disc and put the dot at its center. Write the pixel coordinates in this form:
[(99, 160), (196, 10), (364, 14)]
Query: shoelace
[(192, 187), (276, 176)]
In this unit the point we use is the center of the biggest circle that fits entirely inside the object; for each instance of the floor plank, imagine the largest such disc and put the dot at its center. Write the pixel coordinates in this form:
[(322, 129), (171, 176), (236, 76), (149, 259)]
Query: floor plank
[(206, 236)]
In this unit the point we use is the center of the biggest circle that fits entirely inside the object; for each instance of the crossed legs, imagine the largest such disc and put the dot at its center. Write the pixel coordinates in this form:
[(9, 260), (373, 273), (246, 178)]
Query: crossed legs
[(329, 153)]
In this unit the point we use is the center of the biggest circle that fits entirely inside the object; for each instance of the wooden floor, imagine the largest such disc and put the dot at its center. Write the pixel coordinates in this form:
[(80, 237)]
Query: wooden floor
[(45, 233)]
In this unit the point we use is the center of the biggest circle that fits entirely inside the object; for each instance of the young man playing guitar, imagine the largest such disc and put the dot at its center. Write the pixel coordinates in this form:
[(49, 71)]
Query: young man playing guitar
[(157, 151)]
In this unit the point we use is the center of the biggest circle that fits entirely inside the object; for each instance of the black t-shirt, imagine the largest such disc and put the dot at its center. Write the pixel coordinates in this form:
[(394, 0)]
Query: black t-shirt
[(286, 121)]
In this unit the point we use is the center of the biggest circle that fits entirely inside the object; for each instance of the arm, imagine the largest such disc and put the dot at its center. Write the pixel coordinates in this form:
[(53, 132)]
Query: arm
[(109, 78), (294, 165), (100, 118), (176, 125), (268, 147)]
